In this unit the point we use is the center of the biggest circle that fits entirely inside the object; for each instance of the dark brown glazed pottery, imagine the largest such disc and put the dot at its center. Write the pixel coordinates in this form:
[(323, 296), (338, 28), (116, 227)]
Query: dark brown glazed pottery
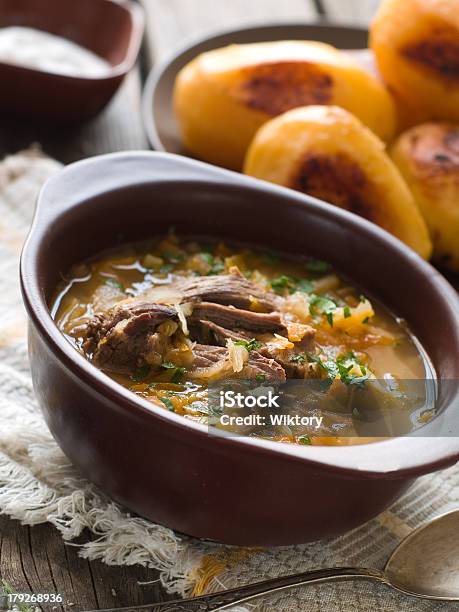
[(112, 30), (236, 490), (158, 113)]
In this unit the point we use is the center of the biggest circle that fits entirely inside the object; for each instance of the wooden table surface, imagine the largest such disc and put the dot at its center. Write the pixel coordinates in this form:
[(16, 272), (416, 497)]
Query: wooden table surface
[(36, 559)]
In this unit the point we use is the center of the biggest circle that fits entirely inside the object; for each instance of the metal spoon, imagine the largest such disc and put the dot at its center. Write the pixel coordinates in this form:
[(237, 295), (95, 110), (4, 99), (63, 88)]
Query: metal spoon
[(425, 565)]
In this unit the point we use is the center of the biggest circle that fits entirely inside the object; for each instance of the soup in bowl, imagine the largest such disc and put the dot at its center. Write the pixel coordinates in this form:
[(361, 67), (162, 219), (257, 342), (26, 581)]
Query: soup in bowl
[(250, 270), (170, 317)]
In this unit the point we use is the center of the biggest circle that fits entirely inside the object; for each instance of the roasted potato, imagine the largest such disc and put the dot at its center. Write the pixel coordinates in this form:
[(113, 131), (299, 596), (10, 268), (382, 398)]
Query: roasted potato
[(222, 97), (416, 44), (328, 153), (428, 158)]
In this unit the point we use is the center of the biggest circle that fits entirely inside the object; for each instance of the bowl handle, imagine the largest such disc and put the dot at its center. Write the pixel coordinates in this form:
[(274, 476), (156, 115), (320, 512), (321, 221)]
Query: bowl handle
[(83, 180)]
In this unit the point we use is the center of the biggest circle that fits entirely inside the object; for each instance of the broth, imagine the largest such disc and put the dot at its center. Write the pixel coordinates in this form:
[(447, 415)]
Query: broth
[(170, 318)]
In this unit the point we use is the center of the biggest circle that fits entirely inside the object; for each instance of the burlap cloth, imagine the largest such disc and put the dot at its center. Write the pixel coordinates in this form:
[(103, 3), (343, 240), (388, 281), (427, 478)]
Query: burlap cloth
[(38, 484)]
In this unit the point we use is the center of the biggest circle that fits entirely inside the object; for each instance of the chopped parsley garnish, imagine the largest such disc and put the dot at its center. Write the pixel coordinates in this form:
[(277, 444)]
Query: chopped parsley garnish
[(318, 266), (260, 377), (249, 345), (217, 268), (208, 258), (366, 320), (346, 363), (167, 402), (177, 372), (306, 440), (329, 366), (298, 359), (216, 265), (319, 304), (283, 282), (342, 368), (305, 286), (291, 284), (112, 282), (141, 373), (347, 312)]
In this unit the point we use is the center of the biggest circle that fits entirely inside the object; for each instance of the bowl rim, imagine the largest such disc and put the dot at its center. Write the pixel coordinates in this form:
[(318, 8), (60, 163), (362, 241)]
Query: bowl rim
[(137, 16), (158, 70), (408, 456)]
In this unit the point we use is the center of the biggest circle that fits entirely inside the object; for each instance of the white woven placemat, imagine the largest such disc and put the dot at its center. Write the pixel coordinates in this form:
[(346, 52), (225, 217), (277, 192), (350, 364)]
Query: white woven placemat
[(38, 484)]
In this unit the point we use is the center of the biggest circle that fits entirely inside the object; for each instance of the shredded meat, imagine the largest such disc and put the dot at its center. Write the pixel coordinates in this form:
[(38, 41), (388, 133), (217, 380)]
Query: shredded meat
[(288, 359), (208, 332), (235, 318), (129, 335), (261, 366), (227, 289), (138, 331), (206, 356), (292, 360)]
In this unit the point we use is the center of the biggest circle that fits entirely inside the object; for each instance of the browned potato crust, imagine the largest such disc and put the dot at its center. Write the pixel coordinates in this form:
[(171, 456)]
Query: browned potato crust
[(428, 158), (222, 97), (328, 153), (416, 44)]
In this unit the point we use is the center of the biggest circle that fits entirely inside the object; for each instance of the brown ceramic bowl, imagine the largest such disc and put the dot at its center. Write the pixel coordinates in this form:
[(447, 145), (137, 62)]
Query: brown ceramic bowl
[(169, 469), (159, 118), (112, 30)]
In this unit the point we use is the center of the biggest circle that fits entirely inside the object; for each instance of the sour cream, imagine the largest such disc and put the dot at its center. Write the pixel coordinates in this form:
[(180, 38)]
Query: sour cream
[(40, 50)]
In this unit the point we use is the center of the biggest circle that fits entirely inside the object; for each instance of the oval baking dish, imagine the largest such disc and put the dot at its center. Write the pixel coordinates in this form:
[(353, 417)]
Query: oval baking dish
[(236, 490)]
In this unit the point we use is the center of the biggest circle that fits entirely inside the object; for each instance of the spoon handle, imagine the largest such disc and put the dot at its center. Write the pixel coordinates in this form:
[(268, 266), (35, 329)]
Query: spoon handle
[(225, 599)]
